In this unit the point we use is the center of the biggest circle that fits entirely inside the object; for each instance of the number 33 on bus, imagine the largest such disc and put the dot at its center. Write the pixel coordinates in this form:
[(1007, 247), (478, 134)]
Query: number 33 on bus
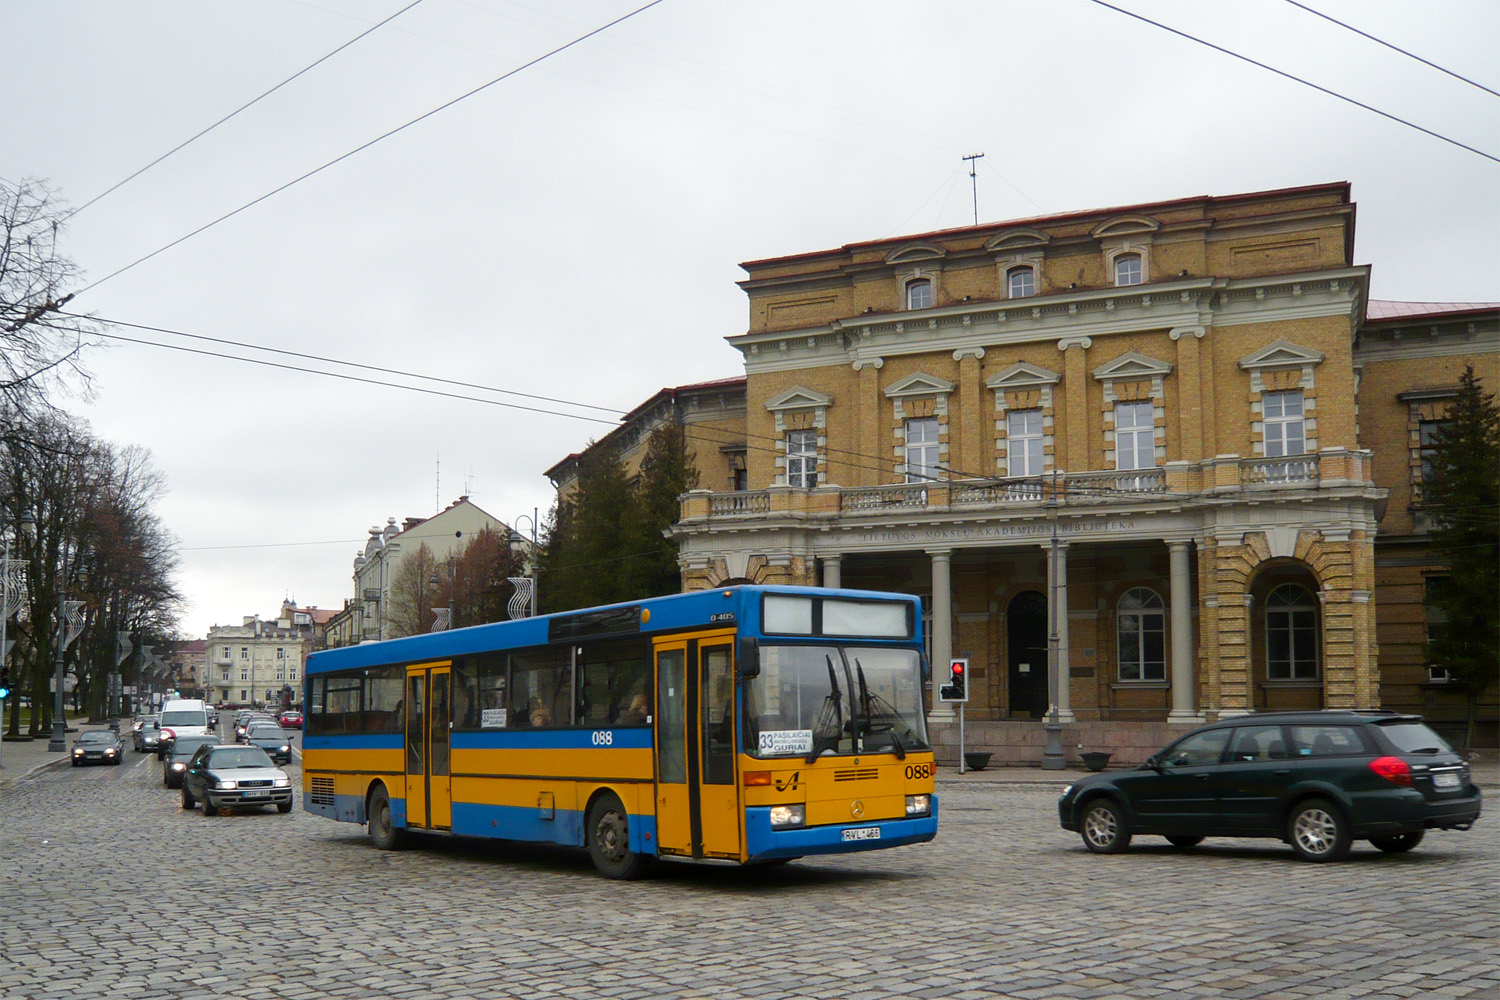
[(745, 724)]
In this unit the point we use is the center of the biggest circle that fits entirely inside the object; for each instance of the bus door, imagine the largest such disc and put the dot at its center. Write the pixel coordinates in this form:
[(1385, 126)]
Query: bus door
[(698, 811), (429, 793)]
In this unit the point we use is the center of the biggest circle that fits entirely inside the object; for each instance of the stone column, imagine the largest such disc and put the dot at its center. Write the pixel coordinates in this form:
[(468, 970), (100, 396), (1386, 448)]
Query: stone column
[(1184, 685), (1064, 664), (942, 628), (832, 571)]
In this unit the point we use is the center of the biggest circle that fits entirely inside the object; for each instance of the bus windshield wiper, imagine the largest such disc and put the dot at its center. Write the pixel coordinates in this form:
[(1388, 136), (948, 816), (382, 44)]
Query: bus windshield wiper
[(832, 712), (868, 700)]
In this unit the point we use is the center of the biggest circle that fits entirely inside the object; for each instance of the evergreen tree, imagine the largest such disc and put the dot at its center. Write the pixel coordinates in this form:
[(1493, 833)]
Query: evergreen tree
[(667, 472), (584, 561), (1463, 499)]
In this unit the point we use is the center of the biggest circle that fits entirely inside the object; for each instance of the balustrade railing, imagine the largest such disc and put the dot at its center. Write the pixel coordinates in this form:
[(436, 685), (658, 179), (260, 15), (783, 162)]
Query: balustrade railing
[(883, 497), (1279, 471), (740, 502), (1113, 485)]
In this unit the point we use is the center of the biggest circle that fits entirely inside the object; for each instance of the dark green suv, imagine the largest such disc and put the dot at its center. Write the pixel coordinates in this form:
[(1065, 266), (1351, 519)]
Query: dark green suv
[(1316, 780)]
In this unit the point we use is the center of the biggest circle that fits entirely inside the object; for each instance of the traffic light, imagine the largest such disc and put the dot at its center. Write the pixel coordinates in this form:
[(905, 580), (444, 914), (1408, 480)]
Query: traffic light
[(957, 688), (4, 683)]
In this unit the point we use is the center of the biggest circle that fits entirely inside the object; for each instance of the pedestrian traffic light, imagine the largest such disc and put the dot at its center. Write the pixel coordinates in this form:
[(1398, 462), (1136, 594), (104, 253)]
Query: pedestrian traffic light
[(4, 683), (957, 688)]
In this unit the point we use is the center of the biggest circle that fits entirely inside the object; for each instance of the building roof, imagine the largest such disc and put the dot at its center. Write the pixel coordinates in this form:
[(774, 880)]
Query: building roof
[(1340, 187), (1386, 309)]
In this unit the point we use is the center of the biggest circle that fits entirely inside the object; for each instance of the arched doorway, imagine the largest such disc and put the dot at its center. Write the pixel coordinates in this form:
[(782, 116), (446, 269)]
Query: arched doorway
[(1287, 629), (1026, 654)]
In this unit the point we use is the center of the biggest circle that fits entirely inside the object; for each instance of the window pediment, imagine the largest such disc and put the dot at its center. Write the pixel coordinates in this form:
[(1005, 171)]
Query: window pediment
[(1125, 225), (911, 252), (799, 398), (1282, 354), (1021, 376), (919, 384), (1013, 240), (1132, 365)]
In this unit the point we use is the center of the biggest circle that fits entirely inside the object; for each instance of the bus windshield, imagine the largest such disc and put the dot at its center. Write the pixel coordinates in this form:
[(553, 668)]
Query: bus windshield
[(811, 700)]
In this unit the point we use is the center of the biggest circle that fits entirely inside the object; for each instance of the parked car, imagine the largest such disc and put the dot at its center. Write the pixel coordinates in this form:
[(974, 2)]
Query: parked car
[(147, 735), (275, 741), (98, 747), (291, 719), (1316, 780), (229, 775), (176, 761)]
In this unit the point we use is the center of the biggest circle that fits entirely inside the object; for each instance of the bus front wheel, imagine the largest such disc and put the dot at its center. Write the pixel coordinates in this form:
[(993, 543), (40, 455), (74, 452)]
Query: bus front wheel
[(384, 833), (609, 840)]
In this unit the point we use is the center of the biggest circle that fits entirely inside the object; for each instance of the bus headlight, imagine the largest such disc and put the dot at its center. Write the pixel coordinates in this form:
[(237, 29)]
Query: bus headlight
[(783, 817), (918, 805)]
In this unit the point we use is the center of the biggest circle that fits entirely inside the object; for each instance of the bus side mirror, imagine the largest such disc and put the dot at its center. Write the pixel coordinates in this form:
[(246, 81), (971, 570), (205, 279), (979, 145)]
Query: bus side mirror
[(749, 658)]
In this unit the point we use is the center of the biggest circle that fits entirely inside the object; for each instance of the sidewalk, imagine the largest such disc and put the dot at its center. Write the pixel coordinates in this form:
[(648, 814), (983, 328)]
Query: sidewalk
[(20, 760)]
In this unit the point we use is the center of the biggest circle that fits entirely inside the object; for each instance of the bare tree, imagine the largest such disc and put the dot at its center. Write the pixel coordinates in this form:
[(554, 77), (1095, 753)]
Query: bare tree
[(414, 593), (41, 346)]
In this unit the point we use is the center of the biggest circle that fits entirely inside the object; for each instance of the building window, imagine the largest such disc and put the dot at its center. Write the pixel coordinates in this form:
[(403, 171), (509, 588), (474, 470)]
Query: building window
[(741, 479), (1021, 282), (242, 694), (225, 676), (802, 459), (1023, 442), (1142, 627), (244, 652), (1428, 432), (281, 673), (244, 674), (280, 653), (1135, 435), (1291, 634), (922, 450), (291, 674), (227, 653), (1128, 269), (919, 293), (1285, 431)]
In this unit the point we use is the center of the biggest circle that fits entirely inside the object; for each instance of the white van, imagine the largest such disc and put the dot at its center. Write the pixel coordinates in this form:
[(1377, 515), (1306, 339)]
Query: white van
[(181, 717)]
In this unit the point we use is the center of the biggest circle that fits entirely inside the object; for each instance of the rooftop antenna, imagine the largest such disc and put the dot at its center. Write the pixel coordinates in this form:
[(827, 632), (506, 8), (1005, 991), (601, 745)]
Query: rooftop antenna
[(974, 159)]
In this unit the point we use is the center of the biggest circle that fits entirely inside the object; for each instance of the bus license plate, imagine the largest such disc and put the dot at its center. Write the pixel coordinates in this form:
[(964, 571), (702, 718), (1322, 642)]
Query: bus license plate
[(862, 833), (1445, 779)]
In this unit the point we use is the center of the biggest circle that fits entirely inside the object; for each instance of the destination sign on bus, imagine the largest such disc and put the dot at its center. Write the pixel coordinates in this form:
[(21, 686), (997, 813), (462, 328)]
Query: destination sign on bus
[(786, 741)]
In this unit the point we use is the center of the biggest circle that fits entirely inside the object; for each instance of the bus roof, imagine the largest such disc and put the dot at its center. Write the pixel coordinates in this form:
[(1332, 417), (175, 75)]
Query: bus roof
[(673, 612)]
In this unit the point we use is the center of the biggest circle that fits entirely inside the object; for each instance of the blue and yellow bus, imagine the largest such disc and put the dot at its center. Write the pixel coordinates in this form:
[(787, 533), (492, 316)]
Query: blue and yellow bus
[(746, 724)]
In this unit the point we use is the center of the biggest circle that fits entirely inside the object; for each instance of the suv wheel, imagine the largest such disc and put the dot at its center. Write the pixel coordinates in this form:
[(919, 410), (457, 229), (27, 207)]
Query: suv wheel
[(1317, 831), (1103, 828), (1397, 843)]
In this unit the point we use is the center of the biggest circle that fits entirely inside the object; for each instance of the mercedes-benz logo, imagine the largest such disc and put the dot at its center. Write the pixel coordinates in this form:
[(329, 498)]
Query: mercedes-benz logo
[(856, 809)]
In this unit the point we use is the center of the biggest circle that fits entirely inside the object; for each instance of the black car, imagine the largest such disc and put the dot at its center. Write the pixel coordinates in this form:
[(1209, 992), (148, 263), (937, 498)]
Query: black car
[(234, 775), (177, 758), (1316, 780), (98, 747), (271, 738)]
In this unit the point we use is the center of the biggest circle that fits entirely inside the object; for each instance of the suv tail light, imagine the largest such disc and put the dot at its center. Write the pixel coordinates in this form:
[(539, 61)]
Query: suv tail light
[(1392, 769)]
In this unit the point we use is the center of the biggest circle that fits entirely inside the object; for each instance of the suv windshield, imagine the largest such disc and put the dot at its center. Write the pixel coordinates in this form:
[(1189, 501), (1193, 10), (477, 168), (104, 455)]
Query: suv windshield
[(1414, 737), (808, 700)]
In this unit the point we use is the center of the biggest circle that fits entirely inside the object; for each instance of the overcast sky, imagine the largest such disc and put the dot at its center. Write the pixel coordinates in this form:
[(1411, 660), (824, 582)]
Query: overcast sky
[(574, 231)]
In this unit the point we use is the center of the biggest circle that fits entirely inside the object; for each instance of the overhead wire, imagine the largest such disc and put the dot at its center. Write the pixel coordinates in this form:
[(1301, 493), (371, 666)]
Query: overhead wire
[(1297, 79), (364, 146), (1395, 48), (194, 138)]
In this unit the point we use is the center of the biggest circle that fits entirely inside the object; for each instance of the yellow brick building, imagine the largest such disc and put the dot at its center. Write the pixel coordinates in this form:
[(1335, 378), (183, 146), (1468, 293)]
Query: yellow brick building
[(1181, 425)]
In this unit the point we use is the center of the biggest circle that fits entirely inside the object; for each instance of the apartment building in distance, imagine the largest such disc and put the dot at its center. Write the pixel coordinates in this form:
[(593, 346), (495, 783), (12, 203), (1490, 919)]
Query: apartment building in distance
[(1146, 465)]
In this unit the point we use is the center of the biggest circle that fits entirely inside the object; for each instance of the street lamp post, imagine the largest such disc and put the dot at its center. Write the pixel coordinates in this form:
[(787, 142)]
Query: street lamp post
[(59, 741), (515, 538)]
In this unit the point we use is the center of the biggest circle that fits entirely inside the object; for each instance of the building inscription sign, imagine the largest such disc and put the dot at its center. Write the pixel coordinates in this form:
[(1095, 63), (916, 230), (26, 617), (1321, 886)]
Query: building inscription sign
[(1030, 531)]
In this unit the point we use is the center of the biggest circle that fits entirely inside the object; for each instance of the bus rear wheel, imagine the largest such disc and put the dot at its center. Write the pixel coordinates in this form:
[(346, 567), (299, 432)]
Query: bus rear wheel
[(384, 833), (608, 831)]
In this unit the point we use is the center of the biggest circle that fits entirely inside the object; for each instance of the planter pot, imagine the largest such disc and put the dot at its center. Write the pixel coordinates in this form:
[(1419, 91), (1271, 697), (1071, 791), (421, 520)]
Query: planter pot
[(977, 761), (1096, 760)]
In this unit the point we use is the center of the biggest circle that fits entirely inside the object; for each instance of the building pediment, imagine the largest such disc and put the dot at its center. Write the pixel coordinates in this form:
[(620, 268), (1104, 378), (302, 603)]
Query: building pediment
[(1021, 376), (911, 253), (799, 398), (1282, 354), (1132, 365), (1125, 225), (1017, 239), (919, 384)]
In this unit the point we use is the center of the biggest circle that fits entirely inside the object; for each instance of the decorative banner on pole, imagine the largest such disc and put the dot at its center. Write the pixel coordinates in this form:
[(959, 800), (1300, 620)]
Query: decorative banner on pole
[(13, 588), (440, 619), (520, 601), (122, 647), (73, 619)]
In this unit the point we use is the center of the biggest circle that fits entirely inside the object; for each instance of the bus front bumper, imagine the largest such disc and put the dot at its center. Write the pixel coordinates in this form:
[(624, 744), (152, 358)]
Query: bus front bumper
[(764, 843)]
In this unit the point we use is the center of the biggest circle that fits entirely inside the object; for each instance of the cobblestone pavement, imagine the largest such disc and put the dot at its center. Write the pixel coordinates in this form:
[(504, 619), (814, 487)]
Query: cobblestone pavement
[(112, 890)]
